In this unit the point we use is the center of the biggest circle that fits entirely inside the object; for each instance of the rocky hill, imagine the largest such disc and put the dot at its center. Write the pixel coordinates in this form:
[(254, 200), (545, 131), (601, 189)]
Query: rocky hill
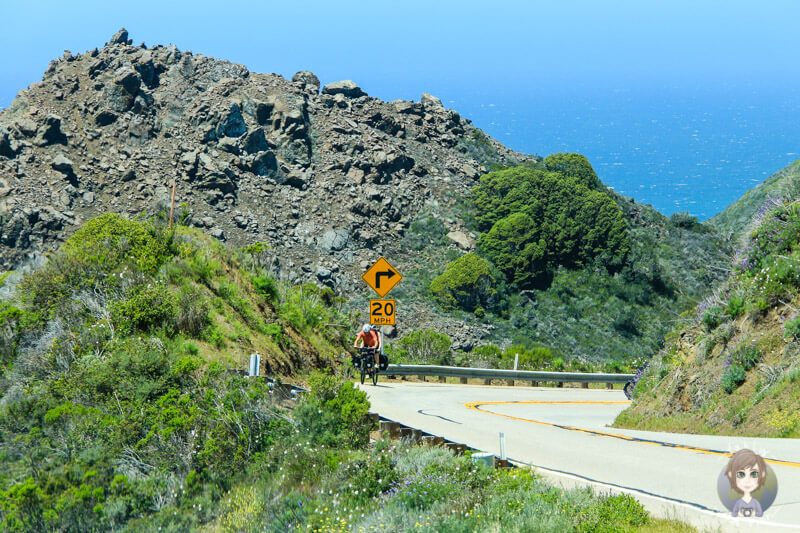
[(327, 178), (256, 157)]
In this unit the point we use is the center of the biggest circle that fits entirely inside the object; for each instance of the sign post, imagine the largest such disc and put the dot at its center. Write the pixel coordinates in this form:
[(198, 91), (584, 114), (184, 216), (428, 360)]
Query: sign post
[(382, 278)]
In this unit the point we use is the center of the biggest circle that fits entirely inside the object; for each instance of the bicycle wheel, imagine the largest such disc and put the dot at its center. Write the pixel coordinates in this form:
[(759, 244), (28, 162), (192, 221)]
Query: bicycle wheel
[(363, 369), (375, 375)]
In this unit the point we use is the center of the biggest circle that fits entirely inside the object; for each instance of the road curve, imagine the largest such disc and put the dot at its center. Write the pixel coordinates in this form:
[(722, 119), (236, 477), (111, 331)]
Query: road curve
[(565, 432)]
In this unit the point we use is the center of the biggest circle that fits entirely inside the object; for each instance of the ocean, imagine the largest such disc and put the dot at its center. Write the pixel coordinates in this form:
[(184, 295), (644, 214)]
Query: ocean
[(677, 147)]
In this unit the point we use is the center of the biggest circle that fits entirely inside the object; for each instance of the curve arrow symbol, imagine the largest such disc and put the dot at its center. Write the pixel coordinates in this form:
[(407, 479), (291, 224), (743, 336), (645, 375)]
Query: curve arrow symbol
[(388, 273)]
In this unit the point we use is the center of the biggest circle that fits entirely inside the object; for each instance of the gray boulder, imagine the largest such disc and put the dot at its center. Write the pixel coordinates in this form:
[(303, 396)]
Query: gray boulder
[(334, 240), (27, 127), (121, 37), (264, 164), (232, 125), (255, 141), (62, 164), (50, 132), (461, 239), (429, 101), (323, 273), (105, 117), (307, 79), (8, 146), (346, 88)]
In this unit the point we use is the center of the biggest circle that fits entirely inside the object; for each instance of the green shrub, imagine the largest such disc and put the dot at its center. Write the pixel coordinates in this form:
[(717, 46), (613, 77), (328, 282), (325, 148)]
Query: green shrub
[(303, 307), (530, 357), (148, 307), (467, 283), (734, 376), (712, 317), (735, 306), (192, 313), (267, 287), (791, 329), (423, 492), (684, 220), (613, 513), (425, 231), (274, 330), (745, 356), (110, 240), (425, 346), (334, 412)]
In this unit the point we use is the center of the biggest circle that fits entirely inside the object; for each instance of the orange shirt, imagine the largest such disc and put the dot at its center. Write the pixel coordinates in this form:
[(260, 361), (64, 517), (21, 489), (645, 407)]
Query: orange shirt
[(370, 338)]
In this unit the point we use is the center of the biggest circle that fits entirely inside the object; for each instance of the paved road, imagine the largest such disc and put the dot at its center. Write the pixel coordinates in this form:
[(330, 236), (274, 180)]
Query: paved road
[(565, 432)]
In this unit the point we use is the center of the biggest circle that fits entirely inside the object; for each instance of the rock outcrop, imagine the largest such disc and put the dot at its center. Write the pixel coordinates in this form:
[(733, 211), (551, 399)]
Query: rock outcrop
[(328, 179)]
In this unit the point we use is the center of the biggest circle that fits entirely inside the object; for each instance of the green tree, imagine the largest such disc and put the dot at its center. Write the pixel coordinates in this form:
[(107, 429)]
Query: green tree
[(515, 245), (466, 282), (573, 166), (535, 221)]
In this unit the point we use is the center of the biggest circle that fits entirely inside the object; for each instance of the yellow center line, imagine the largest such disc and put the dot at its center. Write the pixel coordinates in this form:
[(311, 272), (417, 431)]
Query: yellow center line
[(475, 406)]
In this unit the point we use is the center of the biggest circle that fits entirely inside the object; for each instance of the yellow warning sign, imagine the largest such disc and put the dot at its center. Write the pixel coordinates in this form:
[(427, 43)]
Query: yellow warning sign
[(382, 277), (381, 312)]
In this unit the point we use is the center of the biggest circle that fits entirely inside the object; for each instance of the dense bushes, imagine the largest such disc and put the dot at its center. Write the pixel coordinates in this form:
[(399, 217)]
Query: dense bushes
[(424, 346), (536, 220), (467, 283), (573, 166), (334, 413), (148, 306)]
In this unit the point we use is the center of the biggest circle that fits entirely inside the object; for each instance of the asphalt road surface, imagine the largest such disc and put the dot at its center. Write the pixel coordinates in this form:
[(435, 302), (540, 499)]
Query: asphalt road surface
[(565, 433)]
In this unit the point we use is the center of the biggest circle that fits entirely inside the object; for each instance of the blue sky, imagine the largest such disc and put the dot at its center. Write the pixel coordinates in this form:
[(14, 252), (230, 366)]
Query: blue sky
[(398, 49)]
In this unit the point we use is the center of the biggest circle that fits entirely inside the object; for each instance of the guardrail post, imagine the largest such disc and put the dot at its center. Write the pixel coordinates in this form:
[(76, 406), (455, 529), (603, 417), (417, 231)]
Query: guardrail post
[(463, 381), (487, 381), (422, 378), (393, 428), (442, 379), (560, 384), (585, 385), (510, 382), (609, 385), (457, 448), (534, 383)]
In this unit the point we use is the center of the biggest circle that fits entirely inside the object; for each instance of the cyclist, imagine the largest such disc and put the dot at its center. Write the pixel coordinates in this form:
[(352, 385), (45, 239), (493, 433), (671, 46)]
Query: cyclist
[(370, 337)]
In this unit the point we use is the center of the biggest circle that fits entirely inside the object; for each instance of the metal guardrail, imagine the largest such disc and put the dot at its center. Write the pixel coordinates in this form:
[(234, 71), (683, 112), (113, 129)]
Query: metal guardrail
[(489, 373)]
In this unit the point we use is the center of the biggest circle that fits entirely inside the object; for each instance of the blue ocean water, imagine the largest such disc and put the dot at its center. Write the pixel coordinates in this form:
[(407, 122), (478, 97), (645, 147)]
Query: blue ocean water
[(679, 147)]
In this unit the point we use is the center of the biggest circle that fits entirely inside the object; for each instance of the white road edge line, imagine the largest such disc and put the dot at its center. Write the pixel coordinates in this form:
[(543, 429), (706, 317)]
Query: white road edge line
[(696, 515)]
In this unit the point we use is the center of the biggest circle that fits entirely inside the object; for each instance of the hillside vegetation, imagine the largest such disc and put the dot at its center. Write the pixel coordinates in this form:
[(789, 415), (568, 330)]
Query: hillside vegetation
[(563, 262), (124, 408), (735, 368), (736, 217)]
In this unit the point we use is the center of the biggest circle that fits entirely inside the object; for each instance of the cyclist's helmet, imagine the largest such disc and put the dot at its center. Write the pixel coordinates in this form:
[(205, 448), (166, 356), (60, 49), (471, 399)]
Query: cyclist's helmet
[(366, 328)]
